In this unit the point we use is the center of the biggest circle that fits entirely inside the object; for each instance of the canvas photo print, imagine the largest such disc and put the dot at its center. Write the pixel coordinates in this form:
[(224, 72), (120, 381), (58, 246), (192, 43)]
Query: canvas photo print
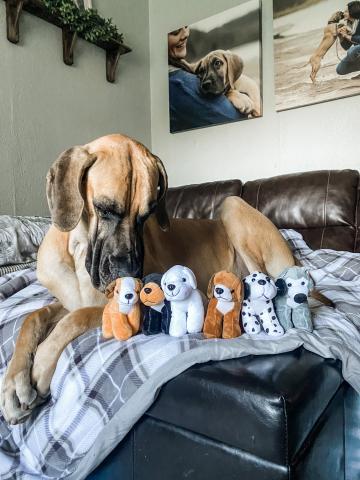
[(317, 51), (215, 69)]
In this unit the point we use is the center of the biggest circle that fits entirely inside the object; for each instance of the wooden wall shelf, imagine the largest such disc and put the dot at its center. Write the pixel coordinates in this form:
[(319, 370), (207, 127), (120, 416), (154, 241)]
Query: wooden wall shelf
[(114, 49)]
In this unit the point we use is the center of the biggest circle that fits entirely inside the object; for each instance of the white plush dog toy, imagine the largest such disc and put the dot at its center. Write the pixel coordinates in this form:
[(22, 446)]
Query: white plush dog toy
[(258, 311), (187, 309)]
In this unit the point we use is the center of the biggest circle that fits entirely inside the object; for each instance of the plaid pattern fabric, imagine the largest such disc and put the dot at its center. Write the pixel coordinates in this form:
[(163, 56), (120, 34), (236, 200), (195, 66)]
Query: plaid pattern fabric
[(102, 387)]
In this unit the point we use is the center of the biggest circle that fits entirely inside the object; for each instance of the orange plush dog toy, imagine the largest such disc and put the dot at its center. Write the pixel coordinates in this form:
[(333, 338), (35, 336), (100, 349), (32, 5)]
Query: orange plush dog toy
[(225, 292), (121, 316)]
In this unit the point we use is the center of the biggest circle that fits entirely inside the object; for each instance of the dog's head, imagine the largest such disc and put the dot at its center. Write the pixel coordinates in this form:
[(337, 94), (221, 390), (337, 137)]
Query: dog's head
[(107, 189), (259, 286), (126, 291), (151, 293), (218, 71), (178, 283), (225, 286), (296, 284)]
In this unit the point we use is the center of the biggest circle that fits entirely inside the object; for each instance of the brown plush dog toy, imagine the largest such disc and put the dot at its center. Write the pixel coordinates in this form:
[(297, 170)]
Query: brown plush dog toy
[(121, 316), (225, 292)]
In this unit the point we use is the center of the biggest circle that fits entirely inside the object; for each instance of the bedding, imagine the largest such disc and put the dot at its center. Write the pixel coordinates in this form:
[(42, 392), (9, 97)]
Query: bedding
[(102, 387), (20, 238)]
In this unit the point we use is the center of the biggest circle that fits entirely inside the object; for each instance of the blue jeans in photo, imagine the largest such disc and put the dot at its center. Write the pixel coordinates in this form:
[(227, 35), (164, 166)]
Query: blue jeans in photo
[(351, 63)]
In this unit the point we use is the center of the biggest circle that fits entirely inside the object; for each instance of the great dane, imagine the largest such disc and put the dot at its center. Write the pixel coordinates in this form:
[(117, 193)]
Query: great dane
[(107, 202)]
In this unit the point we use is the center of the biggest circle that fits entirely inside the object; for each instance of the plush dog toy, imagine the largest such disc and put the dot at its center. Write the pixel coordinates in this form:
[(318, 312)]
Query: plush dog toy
[(121, 316), (157, 313), (291, 302), (187, 308), (225, 293), (258, 310)]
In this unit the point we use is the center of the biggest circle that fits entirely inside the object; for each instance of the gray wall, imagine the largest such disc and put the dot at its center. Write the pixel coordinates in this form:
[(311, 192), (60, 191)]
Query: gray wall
[(315, 137), (46, 106)]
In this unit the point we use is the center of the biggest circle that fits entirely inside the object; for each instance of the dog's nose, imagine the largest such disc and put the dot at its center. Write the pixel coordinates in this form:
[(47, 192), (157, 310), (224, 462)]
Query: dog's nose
[(261, 282), (171, 287), (129, 296), (300, 298), (147, 290), (206, 85), (219, 291)]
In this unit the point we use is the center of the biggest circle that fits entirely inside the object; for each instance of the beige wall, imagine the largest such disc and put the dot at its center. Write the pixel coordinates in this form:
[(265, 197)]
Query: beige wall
[(46, 106), (316, 137)]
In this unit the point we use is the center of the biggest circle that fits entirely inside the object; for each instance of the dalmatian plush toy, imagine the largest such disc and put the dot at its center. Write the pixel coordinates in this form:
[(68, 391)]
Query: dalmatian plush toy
[(291, 302), (258, 312)]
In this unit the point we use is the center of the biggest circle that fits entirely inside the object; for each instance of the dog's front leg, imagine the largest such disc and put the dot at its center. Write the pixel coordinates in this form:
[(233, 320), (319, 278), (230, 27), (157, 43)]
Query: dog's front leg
[(241, 101), (18, 396), (71, 326)]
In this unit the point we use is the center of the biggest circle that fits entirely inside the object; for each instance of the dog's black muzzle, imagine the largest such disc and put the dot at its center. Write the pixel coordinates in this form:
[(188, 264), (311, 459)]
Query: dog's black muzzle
[(105, 263)]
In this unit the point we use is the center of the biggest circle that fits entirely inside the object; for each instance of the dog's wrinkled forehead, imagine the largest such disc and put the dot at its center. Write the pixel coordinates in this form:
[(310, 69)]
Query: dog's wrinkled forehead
[(138, 186)]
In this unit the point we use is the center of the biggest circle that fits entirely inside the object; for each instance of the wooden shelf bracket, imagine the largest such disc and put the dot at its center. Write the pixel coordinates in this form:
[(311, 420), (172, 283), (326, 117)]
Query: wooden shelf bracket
[(68, 41), (13, 13)]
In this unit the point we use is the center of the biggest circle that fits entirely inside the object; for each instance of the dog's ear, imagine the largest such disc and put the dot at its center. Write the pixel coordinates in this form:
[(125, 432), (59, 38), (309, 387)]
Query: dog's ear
[(161, 212), (281, 286), (247, 290), (210, 288), (235, 67), (64, 187)]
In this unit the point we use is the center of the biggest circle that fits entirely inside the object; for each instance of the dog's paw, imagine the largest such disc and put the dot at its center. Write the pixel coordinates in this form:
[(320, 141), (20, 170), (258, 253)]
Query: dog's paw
[(241, 101), (17, 396)]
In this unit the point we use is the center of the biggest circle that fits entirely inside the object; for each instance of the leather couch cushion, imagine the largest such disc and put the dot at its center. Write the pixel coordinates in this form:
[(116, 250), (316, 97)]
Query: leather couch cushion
[(265, 405), (200, 201), (321, 205)]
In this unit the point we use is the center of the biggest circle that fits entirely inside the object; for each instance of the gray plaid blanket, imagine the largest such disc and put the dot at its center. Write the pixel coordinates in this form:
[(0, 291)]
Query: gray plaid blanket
[(101, 388)]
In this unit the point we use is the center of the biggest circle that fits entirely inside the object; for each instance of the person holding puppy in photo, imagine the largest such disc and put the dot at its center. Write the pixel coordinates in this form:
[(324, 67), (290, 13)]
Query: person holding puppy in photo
[(189, 107), (350, 38)]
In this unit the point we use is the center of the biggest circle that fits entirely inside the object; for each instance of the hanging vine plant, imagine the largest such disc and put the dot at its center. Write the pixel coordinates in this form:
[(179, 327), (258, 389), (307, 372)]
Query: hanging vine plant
[(87, 23)]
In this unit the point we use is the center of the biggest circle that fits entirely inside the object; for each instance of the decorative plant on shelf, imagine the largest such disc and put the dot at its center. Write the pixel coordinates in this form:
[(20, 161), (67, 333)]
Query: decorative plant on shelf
[(87, 23)]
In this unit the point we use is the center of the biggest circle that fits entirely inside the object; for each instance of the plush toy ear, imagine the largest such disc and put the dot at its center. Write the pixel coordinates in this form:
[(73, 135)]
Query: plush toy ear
[(311, 283), (109, 290), (210, 289), (247, 290), (281, 286), (238, 291), (191, 277), (138, 285)]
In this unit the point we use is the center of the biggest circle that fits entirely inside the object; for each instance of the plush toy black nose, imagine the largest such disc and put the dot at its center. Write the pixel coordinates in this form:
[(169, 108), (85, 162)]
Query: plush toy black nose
[(300, 298), (171, 286), (147, 290), (219, 291), (261, 282), (129, 296)]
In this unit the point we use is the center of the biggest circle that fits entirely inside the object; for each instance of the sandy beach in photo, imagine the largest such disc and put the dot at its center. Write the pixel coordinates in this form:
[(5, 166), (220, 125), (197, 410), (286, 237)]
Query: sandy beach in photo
[(298, 40)]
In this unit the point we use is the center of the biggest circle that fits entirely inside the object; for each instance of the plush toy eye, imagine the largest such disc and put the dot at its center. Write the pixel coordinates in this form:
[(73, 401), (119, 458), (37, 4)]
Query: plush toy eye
[(267, 279), (302, 283), (289, 284), (116, 291), (183, 279), (232, 291), (253, 279)]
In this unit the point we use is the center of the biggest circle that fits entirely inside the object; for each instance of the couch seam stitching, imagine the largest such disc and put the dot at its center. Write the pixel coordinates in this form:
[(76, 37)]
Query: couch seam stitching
[(325, 209)]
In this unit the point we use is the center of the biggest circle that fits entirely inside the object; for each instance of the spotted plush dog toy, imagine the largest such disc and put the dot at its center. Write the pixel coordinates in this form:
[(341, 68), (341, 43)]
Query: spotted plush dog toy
[(291, 302), (258, 311)]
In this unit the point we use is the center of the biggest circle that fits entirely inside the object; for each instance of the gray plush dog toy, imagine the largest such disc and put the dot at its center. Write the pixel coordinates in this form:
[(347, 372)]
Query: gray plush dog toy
[(291, 303)]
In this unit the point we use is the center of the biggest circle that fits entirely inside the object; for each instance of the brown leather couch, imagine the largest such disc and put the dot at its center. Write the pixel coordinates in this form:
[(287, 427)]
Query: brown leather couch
[(288, 416)]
